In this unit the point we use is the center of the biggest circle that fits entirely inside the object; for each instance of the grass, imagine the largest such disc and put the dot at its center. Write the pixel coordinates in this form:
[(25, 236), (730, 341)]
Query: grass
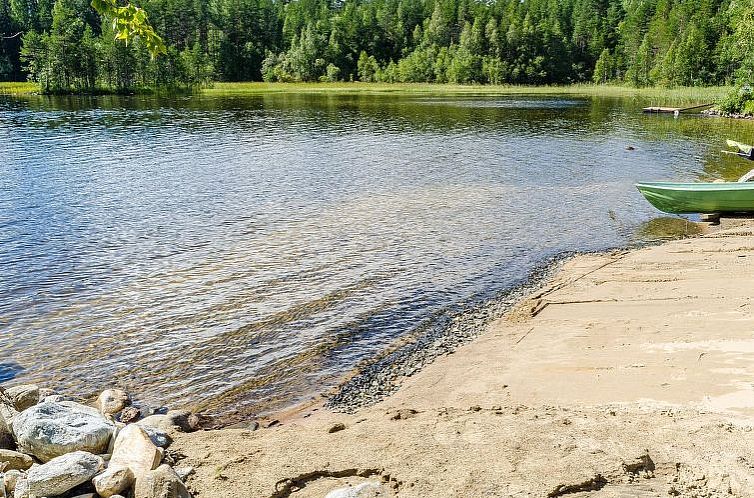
[(659, 96), (17, 88), (668, 96)]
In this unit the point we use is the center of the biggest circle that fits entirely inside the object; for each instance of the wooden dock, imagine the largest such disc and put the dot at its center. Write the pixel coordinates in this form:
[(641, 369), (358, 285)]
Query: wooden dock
[(674, 110)]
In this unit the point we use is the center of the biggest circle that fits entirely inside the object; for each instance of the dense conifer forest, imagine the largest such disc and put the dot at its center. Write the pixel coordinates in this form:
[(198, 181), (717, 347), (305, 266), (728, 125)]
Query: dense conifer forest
[(66, 46)]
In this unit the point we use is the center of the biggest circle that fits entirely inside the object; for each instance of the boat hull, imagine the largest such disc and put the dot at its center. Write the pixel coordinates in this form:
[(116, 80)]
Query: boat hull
[(699, 197)]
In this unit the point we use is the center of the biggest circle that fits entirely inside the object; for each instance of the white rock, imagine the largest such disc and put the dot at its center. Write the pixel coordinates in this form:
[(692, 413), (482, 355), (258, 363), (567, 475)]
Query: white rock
[(113, 481), (23, 396), (162, 482), (370, 489), (51, 429), (112, 401), (134, 450), (60, 474), (15, 460), (184, 472)]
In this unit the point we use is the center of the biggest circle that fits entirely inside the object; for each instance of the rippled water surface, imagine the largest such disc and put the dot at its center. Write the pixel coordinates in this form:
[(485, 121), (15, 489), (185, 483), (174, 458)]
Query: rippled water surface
[(243, 253)]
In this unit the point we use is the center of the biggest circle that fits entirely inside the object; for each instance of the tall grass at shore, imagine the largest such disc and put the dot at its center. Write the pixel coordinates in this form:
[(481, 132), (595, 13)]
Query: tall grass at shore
[(678, 95), (658, 95), (16, 88)]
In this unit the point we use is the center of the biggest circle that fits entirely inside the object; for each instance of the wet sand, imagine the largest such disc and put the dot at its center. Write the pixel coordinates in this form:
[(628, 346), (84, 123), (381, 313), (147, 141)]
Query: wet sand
[(629, 374)]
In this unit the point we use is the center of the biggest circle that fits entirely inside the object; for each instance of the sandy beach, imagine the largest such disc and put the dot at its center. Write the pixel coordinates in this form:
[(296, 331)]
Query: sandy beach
[(629, 374)]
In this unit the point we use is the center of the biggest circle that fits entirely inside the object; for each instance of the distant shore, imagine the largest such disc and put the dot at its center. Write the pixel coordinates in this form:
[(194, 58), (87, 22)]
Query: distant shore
[(630, 372), (667, 96)]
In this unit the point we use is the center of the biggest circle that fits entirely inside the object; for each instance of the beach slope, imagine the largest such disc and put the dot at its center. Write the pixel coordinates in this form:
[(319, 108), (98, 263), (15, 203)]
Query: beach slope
[(629, 374)]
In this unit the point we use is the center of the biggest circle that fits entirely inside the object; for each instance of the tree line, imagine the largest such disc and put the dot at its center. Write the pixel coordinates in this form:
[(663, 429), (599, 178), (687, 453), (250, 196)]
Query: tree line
[(65, 45)]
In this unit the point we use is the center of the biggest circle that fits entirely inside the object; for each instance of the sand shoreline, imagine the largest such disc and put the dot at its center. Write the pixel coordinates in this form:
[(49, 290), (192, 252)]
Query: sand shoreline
[(629, 374)]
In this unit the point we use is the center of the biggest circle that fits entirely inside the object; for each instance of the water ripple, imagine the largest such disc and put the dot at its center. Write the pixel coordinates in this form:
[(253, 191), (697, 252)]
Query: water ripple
[(239, 254)]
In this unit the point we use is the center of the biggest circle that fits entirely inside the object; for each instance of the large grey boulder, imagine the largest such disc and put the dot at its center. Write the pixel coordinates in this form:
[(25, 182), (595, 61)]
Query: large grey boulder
[(59, 475), (51, 429), (23, 396), (162, 482)]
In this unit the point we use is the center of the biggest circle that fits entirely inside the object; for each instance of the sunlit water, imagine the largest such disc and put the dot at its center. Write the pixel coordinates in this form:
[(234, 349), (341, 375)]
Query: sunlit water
[(240, 254)]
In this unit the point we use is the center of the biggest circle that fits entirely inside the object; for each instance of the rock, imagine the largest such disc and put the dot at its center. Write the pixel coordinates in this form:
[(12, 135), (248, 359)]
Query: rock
[(129, 415), (113, 482), (7, 442), (184, 472), (56, 398), (370, 489), (181, 420), (11, 478), (7, 412), (403, 414), (112, 401), (158, 436), (60, 474), (86, 495), (49, 429), (23, 396), (337, 428), (44, 392), (134, 449), (162, 482), (15, 460)]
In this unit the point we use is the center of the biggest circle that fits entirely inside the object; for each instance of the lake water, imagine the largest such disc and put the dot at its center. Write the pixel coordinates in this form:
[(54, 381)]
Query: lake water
[(240, 254)]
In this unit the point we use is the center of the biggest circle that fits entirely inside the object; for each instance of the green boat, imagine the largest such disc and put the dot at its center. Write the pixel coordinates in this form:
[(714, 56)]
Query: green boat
[(728, 197)]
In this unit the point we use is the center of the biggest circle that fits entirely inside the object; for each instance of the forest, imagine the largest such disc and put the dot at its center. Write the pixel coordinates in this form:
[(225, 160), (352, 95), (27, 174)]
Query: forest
[(65, 45)]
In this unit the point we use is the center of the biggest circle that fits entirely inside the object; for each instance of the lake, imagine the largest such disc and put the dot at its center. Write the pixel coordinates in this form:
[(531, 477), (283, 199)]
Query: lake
[(240, 254)]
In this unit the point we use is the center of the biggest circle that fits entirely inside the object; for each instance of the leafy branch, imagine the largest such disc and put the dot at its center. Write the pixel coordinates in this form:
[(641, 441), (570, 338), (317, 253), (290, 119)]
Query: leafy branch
[(129, 23)]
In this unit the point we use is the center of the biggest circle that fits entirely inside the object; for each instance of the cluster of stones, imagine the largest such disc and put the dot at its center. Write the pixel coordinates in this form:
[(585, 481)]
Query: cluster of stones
[(53, 446)]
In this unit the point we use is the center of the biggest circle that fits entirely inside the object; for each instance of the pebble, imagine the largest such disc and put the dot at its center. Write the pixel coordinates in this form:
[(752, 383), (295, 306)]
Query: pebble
[(337, 428), (129, 415), (370, 489)]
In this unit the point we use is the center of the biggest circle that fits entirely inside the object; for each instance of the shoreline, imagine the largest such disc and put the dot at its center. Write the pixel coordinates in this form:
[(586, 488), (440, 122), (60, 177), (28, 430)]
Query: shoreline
[(628, 373), (378, 378), (677, 95)]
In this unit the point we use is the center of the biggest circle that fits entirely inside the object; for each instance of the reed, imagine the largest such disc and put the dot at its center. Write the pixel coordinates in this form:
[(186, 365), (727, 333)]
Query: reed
[(678, 95), (16, 88)]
